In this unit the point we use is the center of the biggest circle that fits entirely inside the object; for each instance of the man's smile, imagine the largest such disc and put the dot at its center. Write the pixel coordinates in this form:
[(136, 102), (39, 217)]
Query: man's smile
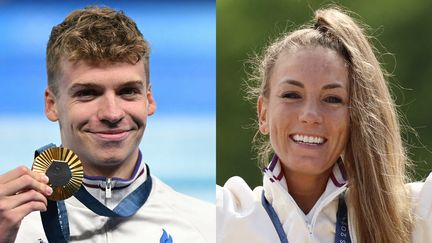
[(111, 135)]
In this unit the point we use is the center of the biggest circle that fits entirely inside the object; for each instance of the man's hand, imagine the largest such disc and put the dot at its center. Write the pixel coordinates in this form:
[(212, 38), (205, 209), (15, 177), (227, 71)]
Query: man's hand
[(21, 192)]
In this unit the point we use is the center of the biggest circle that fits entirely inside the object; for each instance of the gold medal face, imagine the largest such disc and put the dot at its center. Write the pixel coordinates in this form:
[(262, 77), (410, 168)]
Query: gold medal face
[(64, 170)]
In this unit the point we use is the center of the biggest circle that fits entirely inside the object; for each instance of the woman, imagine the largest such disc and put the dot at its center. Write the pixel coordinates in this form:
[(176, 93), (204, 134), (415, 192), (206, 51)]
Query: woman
[(338, 168)]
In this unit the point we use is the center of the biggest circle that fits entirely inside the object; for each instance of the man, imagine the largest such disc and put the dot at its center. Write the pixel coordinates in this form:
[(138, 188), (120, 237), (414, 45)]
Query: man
[(99, 92)]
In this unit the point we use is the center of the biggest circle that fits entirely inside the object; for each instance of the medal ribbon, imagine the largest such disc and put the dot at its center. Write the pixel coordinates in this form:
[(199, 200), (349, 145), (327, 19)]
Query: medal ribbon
[(342, 231)]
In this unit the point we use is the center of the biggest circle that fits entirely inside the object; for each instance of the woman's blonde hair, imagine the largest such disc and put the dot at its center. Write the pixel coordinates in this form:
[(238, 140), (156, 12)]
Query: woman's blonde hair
[(374, 157)]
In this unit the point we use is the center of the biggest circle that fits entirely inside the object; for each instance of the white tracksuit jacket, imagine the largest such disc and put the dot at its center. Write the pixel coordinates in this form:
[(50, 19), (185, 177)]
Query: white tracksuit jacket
[(242, 218), (184, 218)]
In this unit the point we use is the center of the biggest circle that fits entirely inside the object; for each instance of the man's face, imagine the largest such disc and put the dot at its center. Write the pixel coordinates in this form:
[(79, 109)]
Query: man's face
[(102, 111)]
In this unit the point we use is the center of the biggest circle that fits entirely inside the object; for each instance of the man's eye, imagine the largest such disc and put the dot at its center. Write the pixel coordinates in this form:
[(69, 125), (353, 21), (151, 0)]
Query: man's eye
[(129, 92), (291, 95), (333, 99), (86, 94)]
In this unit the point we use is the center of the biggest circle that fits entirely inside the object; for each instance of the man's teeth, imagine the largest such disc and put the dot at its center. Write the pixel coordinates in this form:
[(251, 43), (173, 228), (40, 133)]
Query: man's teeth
[(308, 139)]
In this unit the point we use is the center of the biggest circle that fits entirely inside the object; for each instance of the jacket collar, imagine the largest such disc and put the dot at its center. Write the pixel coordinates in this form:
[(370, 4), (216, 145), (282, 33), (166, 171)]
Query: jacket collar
[(118, 183), (277, 192), (274, 173)]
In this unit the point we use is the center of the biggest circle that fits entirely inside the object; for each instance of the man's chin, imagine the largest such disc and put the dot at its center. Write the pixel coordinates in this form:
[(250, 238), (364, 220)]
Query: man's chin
[(104, 166), (109, 160)]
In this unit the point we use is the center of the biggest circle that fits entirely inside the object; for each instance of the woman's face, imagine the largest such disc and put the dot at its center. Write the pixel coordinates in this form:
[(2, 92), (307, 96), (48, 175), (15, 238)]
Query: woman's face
[(306, 113)]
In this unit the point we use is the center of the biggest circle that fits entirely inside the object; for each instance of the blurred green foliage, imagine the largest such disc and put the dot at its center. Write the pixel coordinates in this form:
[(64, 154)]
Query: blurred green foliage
[(402, 34)]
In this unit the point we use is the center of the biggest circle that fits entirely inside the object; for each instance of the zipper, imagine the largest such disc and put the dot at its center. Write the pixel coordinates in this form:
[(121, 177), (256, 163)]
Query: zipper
[(108, 188), (326, 201), (299, 212), (108, 194), (310, 225)]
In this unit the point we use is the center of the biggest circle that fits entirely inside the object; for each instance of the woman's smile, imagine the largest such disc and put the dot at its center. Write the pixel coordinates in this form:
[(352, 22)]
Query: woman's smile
[(308, 140)]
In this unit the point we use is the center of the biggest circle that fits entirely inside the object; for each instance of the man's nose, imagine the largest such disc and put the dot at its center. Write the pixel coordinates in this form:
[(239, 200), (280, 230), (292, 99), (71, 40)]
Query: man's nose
[(110, 109)]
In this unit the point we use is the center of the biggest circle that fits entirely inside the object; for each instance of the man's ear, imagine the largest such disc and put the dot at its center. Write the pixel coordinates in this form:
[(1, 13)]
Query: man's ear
[(262, 105), (151, 103), (50, 105)]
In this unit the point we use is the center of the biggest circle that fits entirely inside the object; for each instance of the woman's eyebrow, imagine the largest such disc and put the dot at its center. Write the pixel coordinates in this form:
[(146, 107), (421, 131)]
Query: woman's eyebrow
[(332, 86), (292, 82)]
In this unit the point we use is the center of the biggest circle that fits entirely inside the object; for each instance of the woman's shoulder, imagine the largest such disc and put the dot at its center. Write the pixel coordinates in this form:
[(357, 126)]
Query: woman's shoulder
[(420, 193), (237, 195), (240, 214), (421, 201)]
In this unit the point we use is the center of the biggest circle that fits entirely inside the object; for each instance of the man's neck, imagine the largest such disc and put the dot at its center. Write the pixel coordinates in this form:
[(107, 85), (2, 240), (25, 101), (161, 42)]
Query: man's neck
[(306, 189), (123, 170)]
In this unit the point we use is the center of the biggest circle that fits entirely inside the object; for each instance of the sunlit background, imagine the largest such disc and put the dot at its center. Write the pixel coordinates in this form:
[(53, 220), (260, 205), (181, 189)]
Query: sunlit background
[(179, 141)]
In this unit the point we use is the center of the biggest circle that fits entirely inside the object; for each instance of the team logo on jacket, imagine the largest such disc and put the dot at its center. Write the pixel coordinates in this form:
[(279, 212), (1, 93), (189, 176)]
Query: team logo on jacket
[(165, 238)]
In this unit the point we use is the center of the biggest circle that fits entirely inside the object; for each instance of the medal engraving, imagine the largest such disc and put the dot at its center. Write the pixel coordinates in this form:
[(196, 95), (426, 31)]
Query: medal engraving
[(64, 170), (58, 173)]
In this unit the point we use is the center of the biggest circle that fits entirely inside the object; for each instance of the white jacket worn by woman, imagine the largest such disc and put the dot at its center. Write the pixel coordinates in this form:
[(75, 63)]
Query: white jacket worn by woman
[(243, 217)]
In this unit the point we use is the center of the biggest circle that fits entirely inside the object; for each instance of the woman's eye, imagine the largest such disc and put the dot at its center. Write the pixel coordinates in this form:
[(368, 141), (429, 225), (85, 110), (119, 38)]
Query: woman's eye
[(291, 95), (333, 99)]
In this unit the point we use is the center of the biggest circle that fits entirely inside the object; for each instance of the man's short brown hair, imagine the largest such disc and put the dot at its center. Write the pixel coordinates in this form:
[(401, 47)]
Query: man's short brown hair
[(95, 35)]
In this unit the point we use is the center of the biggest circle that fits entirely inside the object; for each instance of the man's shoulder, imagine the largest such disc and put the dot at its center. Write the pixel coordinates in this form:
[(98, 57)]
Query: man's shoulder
[(177, 199), (193, 212)]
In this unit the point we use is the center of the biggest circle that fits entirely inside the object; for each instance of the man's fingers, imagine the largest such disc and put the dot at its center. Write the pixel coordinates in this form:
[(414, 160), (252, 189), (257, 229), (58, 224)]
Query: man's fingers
[(25, 182), (13, 174), (15, 215), (21, 192), (10, 202), (20, 171)]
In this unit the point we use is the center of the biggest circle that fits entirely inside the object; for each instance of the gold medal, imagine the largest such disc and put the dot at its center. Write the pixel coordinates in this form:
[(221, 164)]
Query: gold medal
[(64, 170)]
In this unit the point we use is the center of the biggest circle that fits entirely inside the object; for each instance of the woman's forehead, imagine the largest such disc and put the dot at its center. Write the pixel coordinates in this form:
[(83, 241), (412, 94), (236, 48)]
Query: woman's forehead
[(308, 64)]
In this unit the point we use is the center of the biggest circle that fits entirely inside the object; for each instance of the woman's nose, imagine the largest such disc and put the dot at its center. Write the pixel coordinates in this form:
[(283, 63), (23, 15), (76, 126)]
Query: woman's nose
[(311, 113)]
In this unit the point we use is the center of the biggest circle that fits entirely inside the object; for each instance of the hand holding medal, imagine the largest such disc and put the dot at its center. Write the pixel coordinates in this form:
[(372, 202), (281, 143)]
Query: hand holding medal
[(64, 170)]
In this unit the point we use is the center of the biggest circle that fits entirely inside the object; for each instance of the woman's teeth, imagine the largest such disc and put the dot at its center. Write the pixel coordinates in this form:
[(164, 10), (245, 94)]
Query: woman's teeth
[(308, 139)]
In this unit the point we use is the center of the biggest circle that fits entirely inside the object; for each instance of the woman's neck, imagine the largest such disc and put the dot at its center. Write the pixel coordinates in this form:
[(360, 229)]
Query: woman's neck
[(306, 189)]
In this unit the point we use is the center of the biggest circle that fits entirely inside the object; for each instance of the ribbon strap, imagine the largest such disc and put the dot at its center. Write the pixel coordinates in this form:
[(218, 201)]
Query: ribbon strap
[(126, 208), (342, 232), (275, 219), (56, 229)]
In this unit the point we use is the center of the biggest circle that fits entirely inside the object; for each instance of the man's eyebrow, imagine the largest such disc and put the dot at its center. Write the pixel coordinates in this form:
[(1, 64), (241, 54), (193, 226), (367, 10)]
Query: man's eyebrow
[(77, 86), (138, 83)]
